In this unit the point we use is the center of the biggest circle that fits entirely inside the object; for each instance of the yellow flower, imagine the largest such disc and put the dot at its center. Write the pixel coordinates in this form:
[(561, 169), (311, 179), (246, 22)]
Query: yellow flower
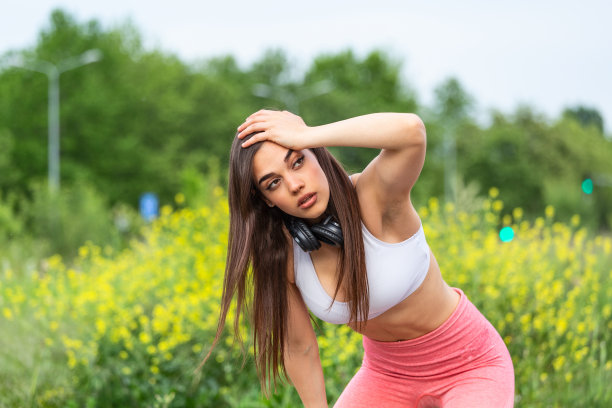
[(8, 313), (144, 337), (179, 198), (493, 192), (166, 210), (549, 211), (83, 252), (100, 326), (558, 362), (434, 204), (517, 213)]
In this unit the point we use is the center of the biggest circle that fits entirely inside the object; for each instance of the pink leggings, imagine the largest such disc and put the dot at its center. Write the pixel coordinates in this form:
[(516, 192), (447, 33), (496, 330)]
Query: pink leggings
[(464, 363)]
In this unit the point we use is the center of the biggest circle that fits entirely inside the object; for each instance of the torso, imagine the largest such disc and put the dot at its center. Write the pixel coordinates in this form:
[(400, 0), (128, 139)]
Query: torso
[(422, 311)]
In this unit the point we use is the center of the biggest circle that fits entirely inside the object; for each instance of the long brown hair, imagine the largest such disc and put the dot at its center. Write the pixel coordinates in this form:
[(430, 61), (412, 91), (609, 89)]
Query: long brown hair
[(257, 257)]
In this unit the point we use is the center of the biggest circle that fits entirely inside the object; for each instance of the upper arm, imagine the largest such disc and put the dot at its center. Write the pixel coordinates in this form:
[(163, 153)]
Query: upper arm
[(300, 333), (390, 176)]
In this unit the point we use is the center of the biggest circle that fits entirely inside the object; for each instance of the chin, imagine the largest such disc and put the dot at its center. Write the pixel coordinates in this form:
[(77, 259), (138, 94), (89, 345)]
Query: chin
[(317, 213), (312, 215)]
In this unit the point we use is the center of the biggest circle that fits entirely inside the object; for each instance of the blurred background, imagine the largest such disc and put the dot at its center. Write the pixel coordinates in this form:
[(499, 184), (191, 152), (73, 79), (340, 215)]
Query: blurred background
[(146, 99), (111, 112)]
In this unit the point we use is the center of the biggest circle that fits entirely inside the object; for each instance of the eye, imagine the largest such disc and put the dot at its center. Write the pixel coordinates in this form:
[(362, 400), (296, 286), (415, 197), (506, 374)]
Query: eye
[(272, 185), (298, 162)]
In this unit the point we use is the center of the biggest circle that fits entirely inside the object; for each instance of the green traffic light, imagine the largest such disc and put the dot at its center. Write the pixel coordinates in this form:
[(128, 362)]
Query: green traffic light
[(587, 186)]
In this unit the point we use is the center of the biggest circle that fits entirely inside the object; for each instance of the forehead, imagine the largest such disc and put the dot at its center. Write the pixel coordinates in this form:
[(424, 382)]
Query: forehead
[(268, 158)]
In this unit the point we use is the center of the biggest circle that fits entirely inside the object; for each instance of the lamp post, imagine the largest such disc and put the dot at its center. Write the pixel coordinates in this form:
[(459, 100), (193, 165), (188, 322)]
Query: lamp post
[(53, 72), (450, 162)]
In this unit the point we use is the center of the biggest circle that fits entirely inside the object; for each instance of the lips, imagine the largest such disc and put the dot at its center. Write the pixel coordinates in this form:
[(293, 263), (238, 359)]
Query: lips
[(307, 200)]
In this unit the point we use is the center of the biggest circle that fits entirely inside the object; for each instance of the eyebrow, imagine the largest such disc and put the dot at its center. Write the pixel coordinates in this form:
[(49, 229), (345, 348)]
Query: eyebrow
[(267, 176)]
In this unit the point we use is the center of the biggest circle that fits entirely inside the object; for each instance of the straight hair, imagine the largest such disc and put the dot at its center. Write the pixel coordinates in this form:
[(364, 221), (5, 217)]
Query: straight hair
[(257, 260)]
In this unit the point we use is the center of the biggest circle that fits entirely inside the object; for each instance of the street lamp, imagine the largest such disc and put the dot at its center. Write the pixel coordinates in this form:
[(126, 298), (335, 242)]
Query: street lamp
[(290, 99), (53, 71)]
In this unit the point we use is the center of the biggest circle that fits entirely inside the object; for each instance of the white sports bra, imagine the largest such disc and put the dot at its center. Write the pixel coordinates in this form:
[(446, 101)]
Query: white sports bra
[(394, 272)]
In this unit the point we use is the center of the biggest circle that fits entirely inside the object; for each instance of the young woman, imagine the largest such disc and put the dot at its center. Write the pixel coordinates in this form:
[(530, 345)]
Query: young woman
[(304, 235)]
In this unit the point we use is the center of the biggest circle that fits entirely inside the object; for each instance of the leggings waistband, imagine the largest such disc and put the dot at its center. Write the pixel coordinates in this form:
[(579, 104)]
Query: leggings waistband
[(465, 336)]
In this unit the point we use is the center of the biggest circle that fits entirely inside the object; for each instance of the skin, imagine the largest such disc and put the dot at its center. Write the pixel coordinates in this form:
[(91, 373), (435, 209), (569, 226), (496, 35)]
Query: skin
[(383, 189), (284, 177)]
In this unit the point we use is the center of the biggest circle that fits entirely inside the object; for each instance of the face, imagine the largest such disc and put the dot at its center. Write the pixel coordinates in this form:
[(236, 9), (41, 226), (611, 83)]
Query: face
[(291, 180)]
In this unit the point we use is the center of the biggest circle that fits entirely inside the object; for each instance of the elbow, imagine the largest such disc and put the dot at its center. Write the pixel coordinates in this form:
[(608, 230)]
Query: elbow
[(414, 131), (302, 348)]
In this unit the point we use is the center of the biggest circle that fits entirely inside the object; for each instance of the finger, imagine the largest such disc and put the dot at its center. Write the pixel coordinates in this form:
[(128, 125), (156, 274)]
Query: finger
[(254, 127), (244, 124), (259, 116), (243, 129), (255, 139)]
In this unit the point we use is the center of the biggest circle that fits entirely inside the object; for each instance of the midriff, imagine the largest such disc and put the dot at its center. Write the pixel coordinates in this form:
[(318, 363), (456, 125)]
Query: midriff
[(420, 313)]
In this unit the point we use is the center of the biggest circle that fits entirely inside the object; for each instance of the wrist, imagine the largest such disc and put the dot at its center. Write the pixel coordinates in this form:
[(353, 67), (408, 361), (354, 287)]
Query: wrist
[(311, 137)]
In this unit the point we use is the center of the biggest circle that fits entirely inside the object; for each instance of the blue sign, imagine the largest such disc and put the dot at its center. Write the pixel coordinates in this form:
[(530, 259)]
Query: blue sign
[(149, 206)]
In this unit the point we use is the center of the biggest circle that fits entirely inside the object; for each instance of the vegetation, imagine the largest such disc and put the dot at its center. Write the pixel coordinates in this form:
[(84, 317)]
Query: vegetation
[(130, 328), (100, 308)]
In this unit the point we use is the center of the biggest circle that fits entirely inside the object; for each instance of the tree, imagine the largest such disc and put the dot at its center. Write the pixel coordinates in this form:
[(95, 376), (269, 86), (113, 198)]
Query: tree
[(586, 117), (360, 86)]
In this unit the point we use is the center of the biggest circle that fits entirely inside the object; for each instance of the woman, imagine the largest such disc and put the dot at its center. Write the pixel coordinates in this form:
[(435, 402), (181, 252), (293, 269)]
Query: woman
[(425, 344)]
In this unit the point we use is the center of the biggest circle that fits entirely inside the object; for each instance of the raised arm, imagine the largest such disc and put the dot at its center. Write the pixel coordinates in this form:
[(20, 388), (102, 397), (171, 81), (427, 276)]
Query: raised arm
[(400, 136), (301, 356)]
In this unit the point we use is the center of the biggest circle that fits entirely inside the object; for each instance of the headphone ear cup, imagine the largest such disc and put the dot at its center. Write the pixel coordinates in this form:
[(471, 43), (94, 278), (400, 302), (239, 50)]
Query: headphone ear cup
[(329, 232), (302, 234)]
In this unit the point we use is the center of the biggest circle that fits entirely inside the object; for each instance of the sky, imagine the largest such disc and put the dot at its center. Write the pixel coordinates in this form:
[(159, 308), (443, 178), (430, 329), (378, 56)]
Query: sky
[(546, 54)]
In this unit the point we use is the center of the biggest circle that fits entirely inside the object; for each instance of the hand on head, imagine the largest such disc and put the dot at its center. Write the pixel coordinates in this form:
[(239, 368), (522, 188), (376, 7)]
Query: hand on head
[(281, 127)]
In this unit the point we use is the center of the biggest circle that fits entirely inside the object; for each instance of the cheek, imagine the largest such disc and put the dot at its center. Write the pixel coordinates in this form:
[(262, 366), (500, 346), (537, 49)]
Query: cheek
[(322, 179)]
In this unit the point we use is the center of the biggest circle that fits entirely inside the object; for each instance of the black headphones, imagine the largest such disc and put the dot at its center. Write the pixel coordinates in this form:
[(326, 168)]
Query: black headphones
[(308, 237)]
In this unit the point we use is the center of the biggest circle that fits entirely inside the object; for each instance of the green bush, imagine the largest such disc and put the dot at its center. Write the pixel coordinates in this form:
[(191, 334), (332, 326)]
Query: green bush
[(67, 219)]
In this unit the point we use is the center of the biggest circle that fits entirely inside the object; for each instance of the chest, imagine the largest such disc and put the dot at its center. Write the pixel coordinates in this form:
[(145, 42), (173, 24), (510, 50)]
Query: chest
[(393, 270), (326, 266)]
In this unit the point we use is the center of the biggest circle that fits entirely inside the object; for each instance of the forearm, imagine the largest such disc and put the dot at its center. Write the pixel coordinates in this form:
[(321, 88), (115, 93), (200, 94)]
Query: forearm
[(392, 131), (303, 367)]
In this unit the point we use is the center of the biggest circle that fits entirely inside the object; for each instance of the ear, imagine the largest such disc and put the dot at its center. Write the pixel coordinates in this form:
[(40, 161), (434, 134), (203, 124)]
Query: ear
[(270, 204)]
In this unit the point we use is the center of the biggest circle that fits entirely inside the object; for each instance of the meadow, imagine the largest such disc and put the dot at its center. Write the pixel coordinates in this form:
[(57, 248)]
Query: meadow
[(129, 329)]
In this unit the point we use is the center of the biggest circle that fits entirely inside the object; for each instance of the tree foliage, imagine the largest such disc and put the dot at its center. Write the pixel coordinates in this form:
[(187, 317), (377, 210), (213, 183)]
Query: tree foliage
[(139, 119)]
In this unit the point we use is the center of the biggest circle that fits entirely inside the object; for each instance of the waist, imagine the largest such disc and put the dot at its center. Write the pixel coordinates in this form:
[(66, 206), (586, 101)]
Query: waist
[(422, 312), (465, 335)]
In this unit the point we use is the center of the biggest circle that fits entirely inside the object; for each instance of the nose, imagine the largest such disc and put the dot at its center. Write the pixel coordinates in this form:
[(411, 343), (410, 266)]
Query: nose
[(295, 184)]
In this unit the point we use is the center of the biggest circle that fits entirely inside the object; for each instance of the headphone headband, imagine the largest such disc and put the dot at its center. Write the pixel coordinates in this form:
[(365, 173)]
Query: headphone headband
[(309, 237)]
